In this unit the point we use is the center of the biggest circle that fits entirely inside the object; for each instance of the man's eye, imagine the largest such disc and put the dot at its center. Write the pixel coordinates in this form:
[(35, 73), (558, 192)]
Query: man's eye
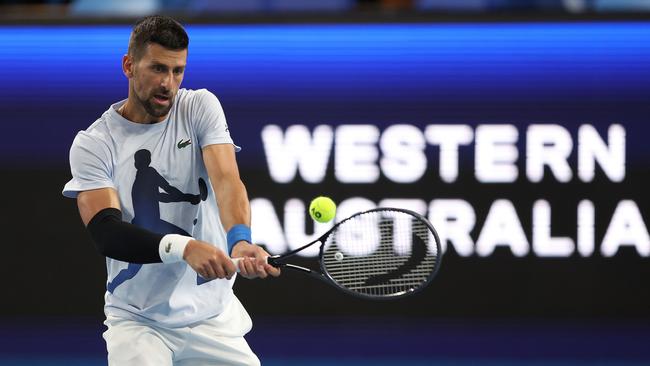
[(158, 68)]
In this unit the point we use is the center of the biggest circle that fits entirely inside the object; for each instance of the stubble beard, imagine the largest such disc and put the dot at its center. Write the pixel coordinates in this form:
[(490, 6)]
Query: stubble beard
[(152, 109)]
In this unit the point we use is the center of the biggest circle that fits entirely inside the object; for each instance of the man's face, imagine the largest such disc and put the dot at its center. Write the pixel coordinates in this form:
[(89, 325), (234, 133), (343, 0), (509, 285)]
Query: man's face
[(157, 75)]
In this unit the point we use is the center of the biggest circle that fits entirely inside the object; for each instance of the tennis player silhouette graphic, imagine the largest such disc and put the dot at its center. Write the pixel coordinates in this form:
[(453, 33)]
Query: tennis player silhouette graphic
[(146, 198)]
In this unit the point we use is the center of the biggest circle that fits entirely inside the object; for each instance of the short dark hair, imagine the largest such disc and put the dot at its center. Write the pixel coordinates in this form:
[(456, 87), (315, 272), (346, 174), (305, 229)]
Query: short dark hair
[(158, 29)]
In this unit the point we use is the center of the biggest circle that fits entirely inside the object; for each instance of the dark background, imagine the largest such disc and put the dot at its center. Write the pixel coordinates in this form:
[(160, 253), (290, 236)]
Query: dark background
[(57, 78)]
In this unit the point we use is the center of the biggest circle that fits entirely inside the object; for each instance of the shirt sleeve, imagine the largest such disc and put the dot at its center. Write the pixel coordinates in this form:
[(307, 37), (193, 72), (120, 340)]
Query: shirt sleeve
[(210, 121), (90, 165)]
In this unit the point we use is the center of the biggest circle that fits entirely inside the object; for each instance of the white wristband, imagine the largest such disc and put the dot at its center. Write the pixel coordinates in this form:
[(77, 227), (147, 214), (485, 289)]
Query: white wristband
[(172, 247)]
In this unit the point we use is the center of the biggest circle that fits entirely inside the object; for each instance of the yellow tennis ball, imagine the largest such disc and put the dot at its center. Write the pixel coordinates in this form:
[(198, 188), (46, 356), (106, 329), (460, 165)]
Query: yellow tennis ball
[(322, 209)]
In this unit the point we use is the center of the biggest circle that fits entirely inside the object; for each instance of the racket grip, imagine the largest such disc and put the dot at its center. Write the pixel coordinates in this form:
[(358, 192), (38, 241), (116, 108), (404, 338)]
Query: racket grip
[(236, 261)]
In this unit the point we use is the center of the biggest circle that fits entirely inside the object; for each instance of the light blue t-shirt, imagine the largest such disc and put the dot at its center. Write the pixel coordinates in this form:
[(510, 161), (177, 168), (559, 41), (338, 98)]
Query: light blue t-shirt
[(156, 169)]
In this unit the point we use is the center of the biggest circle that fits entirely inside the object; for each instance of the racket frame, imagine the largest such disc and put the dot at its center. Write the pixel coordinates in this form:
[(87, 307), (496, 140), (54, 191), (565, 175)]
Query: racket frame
[(278, 260)]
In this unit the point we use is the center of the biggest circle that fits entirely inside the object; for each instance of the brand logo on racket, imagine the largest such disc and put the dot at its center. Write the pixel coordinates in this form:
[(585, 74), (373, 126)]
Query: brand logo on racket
[(418, 256)]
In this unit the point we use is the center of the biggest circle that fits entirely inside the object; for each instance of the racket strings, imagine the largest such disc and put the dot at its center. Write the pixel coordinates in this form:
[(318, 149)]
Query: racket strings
[(381, 253)]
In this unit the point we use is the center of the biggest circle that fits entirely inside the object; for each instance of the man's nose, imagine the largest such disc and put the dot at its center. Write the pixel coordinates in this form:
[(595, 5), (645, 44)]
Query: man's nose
[(166, 79)]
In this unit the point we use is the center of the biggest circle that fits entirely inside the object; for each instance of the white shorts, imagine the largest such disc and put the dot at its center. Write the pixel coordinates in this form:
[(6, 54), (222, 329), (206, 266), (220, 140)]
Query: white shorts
[(215, 341)]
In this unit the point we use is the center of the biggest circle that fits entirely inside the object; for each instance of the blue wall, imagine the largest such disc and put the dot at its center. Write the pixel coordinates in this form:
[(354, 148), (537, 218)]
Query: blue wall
[(58, 79)]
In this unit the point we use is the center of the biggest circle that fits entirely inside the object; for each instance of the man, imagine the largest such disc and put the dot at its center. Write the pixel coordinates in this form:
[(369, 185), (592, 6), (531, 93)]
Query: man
[(139, 174)]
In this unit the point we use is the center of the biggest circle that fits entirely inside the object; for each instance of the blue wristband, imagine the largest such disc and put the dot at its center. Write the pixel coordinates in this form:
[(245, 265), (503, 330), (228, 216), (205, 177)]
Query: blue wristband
[(238, 233)]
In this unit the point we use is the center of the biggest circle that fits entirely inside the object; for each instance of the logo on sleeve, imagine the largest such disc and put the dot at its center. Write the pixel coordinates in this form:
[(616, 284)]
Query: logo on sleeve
[(181, 144), (168, 247)]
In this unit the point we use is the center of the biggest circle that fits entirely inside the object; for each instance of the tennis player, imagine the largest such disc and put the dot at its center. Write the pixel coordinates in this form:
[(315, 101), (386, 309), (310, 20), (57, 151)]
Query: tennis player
[(138, 174)]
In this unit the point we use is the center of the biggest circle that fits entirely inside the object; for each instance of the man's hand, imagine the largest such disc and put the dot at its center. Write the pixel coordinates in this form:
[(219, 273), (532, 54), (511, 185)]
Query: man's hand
[(208, 261), (253, 261)]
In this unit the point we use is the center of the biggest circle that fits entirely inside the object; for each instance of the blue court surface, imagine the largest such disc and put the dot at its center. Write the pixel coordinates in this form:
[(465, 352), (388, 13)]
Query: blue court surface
[(377, 342)]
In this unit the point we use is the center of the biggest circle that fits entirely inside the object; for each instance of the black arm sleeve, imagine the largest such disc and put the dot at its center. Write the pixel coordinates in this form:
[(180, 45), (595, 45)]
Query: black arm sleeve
[(120, 240)]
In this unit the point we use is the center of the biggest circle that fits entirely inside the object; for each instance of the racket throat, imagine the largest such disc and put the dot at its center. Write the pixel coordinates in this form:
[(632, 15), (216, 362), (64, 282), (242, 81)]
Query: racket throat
[(298, 268), (273, 260)]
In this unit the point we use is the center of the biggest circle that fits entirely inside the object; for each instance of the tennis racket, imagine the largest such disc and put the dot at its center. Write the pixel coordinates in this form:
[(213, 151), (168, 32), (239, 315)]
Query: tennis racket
[(383, 253)]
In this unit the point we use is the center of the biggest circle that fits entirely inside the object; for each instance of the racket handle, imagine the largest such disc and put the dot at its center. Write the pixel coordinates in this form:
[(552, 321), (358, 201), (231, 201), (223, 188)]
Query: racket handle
[(236, 261)]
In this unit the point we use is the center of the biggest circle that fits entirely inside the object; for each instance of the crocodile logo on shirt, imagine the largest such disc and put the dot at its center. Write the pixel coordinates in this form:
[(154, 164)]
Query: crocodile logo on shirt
[(181, 144)]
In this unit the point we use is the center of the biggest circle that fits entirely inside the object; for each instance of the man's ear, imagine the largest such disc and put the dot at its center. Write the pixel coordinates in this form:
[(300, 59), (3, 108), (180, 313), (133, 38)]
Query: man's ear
[(127, 66)]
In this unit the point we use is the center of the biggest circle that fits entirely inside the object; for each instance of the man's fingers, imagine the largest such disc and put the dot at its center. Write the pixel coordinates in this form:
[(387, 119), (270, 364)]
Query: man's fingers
[(249, 264), (260, 263), (229, 268), (208, 272), (260, 259), (256, 265), (259, 269), (273, 271), (246, 266), (243, 269), (215, 265)]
